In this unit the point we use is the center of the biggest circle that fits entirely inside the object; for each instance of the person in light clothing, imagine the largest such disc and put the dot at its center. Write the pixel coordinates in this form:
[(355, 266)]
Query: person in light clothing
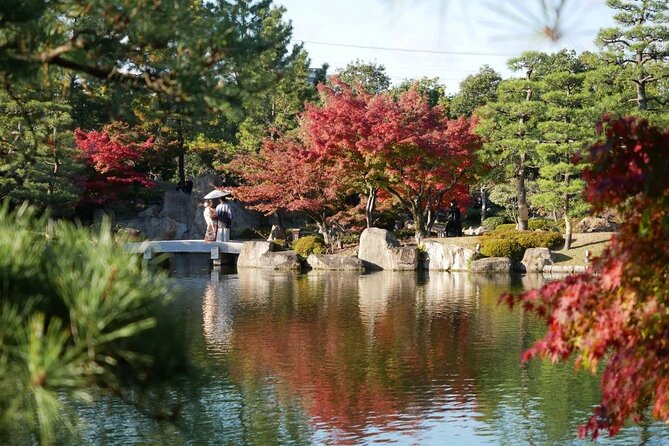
[(211, 219)]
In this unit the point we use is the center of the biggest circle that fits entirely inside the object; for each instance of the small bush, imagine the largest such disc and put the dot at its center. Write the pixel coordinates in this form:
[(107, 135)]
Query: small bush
[(505, 227), (545, 224), (401, 234), (512, 243), (502, 247), (311, 244), (350, 238), (492, 222)]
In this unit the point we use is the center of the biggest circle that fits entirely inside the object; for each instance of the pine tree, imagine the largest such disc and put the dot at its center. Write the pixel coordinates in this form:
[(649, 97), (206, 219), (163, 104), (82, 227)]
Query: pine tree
[(639, 48), (510, 127), (36, 148), (565, 131)]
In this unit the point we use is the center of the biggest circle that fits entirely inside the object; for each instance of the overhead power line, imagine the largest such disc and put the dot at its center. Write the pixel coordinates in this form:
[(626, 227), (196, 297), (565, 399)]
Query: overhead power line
[(408, 50)]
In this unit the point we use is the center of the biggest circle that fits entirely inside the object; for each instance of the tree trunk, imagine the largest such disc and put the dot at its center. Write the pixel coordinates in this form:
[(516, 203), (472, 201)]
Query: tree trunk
[(371, 203), (419, 224), (279, 220), (522, 199), (180, 143), (484, 202), (324, 230), (641, 97), (567, 224)]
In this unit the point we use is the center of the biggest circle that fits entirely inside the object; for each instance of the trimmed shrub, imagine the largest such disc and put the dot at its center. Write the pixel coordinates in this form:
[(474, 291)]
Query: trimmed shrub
[(492, 222), (545, 224), (311, 244), (505, 227), (512, 243), (502, 247)]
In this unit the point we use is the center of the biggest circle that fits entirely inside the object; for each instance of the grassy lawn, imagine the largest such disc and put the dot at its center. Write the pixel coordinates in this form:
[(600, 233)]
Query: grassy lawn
[(594, 241)]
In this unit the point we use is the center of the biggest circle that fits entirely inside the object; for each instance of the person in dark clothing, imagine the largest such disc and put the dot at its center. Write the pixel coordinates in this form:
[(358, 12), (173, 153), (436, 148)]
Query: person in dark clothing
[(453, 223)]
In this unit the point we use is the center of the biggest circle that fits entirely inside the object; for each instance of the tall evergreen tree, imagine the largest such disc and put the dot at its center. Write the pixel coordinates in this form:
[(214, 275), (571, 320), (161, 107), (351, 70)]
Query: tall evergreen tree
[(510, 127), (36, 148), (639, 47), (566, 129)]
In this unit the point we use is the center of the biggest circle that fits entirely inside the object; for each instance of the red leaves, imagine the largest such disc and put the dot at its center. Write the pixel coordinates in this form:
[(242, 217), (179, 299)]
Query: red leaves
[(617, 314), (633, 159), (285, 175), (402, 145), (113, 154)]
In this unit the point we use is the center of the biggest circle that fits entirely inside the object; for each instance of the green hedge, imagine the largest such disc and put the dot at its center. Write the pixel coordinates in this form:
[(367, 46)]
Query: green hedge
[(502, 247), (505, 227), (512, 243), (492, 222), (311, 244), (545, 224)]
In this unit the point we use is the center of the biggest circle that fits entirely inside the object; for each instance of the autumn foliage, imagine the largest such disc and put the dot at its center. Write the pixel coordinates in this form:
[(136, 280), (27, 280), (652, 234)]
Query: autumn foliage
[(287, 176), (113, 155), (616, 315), (401, 145)]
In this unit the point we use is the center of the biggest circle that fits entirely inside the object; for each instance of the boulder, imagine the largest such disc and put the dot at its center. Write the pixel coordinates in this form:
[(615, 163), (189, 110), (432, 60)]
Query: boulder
[(149, 211), (491, 265), (535, 259), (157, 228), (177, 205), (280, 260), (481, 230), (469, 231), (258, 254), (335, 262), (443, 257), (596, 224), (379, 249)]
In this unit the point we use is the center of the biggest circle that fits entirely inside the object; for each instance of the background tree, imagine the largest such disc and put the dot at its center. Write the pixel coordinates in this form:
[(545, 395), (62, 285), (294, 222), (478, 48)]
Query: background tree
[(427, 160), (274, 112), (287, 176), (475, 91), (566, 129), (368, 76), (114, 156), (614, 315), (38, 161), (429, 87), (340, 130), (204, 62), (639, 48), (509, 127)]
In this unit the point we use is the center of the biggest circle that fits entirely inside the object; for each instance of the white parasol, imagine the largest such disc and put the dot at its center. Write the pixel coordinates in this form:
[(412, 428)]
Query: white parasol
[(217, 194)]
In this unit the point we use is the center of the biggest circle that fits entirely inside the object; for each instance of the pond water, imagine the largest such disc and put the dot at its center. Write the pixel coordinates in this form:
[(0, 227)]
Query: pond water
[(338, 358)]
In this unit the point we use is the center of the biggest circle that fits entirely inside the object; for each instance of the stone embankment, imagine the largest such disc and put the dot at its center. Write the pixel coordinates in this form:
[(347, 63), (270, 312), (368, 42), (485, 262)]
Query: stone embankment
[(379, 249)]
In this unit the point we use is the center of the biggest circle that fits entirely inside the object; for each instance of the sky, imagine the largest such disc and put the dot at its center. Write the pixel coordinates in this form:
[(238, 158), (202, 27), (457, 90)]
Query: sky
[(448, 39)]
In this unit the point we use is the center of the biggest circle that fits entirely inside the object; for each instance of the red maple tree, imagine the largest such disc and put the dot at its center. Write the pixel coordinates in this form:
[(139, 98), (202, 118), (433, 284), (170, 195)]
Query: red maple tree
[(113, 155), (616, 315), (287, 176), (402, 145)]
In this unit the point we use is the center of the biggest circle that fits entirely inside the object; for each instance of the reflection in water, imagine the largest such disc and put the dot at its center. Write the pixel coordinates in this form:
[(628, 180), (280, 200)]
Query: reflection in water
[(387, 356), (217, 312), (344, 358)]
